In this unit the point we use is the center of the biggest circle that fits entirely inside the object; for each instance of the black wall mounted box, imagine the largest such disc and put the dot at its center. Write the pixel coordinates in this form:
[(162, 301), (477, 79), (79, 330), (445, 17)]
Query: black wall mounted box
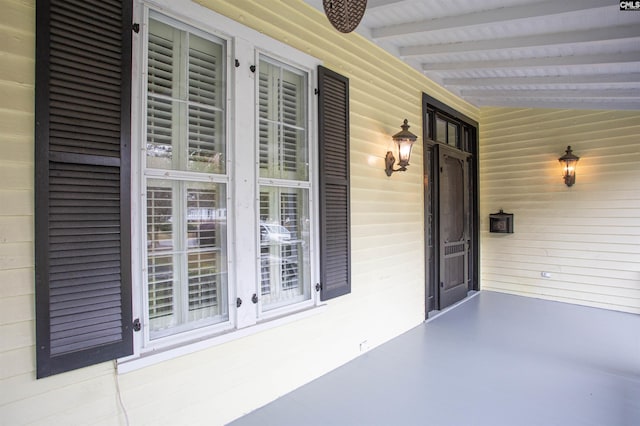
[(501, 222)]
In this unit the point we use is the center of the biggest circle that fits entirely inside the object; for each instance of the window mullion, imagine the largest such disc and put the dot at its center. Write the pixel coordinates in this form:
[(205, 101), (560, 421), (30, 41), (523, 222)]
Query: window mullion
[(181, 252), (279, 98), (181, 131), (182, 77), (274, 159)]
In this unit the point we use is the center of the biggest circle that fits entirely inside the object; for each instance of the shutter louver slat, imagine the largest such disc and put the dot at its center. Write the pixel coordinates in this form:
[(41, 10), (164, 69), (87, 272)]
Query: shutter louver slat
[(96, 322), (83, 280), (290, 108), (67, 63), (76, 251), (102, 53), (100, 90), (263, 105), (102, 14), (335, 250)]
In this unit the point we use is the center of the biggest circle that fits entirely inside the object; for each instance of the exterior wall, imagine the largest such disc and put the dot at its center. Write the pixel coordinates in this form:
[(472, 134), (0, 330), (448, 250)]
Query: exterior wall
[(587, 236), (216, 385)]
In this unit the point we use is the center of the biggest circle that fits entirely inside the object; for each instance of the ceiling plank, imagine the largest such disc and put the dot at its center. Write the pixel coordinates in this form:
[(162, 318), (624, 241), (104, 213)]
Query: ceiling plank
[(560, 94), (539, 40), (610, 58), (598, 104), (552, 7), (373, 4), (632, 77)]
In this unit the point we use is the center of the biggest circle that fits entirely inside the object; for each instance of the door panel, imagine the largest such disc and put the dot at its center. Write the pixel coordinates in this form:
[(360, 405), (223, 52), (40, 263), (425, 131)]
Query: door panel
[(454, 225)]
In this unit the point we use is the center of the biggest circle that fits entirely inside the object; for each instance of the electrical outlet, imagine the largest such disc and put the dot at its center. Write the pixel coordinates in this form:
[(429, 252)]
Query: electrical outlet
[(364, 346), (545, 274)]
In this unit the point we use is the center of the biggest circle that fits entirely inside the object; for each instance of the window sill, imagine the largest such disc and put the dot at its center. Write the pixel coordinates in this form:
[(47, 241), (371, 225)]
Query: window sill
[(133, 363)]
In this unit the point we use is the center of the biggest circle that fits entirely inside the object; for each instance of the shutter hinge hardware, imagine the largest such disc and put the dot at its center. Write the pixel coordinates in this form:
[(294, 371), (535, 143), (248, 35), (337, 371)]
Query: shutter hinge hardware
[(254, 299), (318, 286), (136, 28), (137, 326), (238, 302), (316, 91), (237, 63), (252, 68)]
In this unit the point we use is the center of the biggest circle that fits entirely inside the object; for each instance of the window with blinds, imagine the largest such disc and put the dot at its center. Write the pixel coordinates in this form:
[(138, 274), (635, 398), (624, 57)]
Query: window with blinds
[(283, 150), (186, 181), (185, 101), (284, 185), (284, 246), (153, 190)]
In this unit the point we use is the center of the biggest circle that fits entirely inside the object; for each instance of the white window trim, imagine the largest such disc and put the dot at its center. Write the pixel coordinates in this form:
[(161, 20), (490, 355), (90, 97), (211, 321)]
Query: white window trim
[(246, 45)]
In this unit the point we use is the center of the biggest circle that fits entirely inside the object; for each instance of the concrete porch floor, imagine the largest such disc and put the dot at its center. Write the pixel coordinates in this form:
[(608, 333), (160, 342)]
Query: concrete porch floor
[(496, 359)]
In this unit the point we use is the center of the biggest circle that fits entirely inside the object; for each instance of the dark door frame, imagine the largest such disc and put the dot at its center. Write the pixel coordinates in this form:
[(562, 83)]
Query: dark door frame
[(468, 135)]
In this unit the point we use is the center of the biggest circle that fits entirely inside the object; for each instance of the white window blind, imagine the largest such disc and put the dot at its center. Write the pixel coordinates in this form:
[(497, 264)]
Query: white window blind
[(283, 145), (284, 246), (159, 105), (186, 211), (284, 185), (159, 248), (186, 255), (206, 147), (185, 101)]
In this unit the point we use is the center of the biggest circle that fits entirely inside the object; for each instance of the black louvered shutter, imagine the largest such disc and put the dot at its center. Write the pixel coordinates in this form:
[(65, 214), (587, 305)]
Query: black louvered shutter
[(82, 187), (335, 241)]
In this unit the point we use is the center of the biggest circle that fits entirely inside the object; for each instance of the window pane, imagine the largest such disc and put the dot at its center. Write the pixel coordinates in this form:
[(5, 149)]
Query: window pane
[(185, 101), (186, 255), (284, 246), (206, 125), (206, 250), (441, 130), (206, 149), (160, 252), (452, 138), (159, 133), (283, 145)]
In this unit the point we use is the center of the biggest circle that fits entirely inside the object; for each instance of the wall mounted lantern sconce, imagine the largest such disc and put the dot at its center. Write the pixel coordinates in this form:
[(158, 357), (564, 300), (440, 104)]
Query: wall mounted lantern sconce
[(404, 139), (569, 161)]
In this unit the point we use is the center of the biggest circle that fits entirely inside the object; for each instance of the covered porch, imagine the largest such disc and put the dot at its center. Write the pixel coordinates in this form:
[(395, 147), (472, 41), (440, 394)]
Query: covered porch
[(494, 359)]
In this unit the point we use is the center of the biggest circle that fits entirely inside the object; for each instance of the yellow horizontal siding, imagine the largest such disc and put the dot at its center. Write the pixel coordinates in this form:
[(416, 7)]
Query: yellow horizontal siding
[(216, 385), (15, 362), (586, 236), (17, 335)]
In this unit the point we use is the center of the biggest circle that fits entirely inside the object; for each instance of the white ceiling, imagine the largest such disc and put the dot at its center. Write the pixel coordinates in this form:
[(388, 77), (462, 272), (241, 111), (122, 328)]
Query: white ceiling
[(582, 54)]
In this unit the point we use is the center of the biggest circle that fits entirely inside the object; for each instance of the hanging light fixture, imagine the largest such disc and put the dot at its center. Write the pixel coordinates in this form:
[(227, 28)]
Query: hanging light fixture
[(569, 161), (404, 139), (344, 15)]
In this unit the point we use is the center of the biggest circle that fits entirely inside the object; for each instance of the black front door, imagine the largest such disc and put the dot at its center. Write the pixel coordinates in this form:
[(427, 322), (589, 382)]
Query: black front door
[(450, 204), (454, 218)]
